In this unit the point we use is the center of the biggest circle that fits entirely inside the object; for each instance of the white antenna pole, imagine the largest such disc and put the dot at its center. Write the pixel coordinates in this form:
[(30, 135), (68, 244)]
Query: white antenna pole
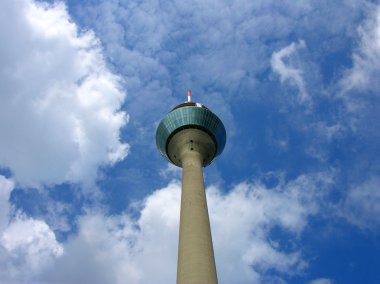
[(188, 95)]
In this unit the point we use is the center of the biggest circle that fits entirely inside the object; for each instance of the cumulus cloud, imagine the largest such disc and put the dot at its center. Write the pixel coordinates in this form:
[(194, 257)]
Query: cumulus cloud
[(143, 249), (122, 249), (59, 103), (27, 245), (288, 73), (243, 219)]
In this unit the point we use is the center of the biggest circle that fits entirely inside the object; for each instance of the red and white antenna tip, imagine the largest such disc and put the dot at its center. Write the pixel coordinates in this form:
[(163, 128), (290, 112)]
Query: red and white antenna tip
[(188, 96)]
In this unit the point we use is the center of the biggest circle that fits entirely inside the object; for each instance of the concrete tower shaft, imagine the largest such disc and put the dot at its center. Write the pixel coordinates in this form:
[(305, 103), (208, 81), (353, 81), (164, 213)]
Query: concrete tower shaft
[(196, 262)]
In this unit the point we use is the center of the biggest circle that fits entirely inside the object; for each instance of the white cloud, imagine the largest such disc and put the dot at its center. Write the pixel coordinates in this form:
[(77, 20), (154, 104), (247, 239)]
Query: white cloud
[(288, 73), (143, 249), (6, 187), (119, 249), (360, 84), (59, 104), (364, 75), (27, 246), (243, 219), (361, 206), (321, 281)]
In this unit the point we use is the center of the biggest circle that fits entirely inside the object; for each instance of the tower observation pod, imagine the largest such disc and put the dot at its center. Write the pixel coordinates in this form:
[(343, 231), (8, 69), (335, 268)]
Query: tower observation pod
[(191, 137)]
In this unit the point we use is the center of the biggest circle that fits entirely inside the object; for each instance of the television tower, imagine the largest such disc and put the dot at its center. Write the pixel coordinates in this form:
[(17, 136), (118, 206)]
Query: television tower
[(191, 137)]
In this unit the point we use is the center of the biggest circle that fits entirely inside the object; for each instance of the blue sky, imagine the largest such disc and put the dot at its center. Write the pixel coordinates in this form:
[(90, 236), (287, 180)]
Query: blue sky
[(85, 196)]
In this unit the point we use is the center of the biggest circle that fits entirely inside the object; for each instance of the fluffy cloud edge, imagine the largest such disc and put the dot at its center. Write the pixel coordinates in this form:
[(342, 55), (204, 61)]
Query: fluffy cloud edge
[(143, 249), (59, 96)]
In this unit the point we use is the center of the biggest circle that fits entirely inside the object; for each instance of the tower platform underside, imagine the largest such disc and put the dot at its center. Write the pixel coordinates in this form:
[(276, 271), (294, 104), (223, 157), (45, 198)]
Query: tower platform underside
[(189, 140)]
